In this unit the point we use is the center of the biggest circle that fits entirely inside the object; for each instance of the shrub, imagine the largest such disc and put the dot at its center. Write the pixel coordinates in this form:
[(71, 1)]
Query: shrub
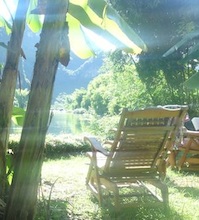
[(57, 146)]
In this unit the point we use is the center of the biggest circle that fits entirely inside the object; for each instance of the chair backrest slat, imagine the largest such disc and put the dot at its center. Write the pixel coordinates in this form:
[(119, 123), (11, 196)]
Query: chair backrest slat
[(142, 136)]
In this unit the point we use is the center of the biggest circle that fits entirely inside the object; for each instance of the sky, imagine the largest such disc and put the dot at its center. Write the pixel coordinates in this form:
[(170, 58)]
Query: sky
[(4, 10)]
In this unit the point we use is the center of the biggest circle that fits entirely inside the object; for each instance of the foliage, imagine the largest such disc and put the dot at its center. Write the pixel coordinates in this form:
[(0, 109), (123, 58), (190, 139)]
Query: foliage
[(98, 95), (21, 98), (63, 101), (161, 24), (62, 145), (77, 98), (56, 146), (4, 23), (112, 90), (96, 17), (103, 126), (188, 50)]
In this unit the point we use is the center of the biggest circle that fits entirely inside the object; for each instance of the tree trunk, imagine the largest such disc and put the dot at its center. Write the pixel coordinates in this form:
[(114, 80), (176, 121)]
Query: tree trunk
[(8, 85), (23, 195)]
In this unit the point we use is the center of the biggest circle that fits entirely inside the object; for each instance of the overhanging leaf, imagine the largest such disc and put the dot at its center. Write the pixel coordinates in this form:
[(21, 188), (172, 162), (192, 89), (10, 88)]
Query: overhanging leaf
[(2, 44), (193, 82), (5, 24), (34, 21), (116, 25), (97, 7), (101, 19), (116, 30), (81, 15), (77, 41), (18, 115), (186, 39), (193, 53), (82, 3)]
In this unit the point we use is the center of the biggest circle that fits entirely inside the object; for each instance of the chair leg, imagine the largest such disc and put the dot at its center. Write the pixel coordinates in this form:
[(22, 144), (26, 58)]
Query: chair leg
[(164, 191), (99, 187), (89, 173), (165, 195), (116, 199), (183, 158), (172, 159)]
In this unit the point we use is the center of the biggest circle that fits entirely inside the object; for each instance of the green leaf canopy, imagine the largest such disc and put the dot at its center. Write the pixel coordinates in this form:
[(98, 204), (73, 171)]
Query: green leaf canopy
[(90, 21), (98, 17)]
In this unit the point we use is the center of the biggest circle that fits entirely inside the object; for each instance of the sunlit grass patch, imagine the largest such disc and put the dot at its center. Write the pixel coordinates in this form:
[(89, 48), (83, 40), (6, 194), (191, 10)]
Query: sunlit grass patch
[(70, 199), (183, 193)]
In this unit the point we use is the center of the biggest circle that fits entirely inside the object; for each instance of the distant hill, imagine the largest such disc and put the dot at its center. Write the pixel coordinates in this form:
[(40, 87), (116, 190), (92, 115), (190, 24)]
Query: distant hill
[(77, 74)]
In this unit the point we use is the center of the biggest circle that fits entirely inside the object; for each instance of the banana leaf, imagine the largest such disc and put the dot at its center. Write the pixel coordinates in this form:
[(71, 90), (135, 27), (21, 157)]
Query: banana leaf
[(34, 21), (77, 40), (182, 43), (80, 14), (116, 25), (98, 17), (192, 82), (4, 23), (193, 53)]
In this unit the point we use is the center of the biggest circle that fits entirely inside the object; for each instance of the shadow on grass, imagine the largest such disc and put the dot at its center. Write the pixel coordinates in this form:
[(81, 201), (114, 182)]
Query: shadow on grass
[(140, 213), (57, 209), (60, 209), (192, 173), (108, 212), (189, 191)]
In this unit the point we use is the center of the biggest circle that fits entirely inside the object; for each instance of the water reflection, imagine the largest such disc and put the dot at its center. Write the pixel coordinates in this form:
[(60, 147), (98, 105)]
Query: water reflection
[(63, 122), (68, 123)]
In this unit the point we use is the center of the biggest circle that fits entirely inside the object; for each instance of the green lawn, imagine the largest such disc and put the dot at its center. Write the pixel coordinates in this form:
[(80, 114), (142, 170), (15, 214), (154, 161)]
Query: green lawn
[(63, 195)]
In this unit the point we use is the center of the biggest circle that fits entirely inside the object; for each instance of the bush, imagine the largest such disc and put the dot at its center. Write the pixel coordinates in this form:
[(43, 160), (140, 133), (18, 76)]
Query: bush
[(102, 126), (63, 145), (57, 146)]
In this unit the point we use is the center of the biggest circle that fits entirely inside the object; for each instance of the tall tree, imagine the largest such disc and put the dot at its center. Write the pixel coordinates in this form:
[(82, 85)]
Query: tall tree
[(23, 195), (8, 84)]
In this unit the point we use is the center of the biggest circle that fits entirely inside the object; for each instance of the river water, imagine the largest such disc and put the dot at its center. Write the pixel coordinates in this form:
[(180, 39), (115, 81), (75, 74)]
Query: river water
[(63, 122)]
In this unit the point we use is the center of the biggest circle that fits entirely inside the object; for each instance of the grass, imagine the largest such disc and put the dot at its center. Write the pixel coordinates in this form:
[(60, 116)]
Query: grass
[(63, 195)]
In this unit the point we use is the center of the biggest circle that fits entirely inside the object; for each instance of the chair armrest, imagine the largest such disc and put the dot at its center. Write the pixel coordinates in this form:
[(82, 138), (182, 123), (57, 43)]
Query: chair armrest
[(193, 134), (96, 145)]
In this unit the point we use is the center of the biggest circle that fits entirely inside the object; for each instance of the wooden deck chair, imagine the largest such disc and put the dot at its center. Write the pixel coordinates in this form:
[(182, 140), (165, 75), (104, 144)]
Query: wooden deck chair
[(173, 152), (130, 172), (188, 154)]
